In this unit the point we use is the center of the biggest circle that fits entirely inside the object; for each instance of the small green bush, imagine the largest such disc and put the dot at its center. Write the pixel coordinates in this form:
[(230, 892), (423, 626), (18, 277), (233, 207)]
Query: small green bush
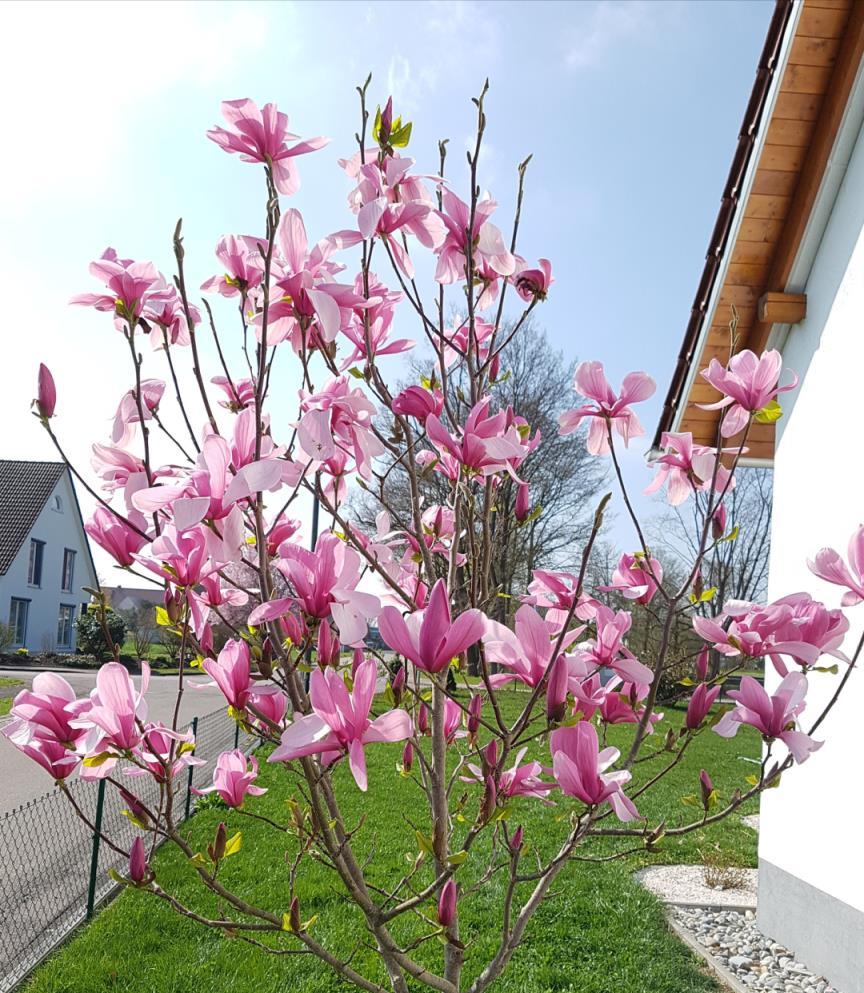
[(91, 637)]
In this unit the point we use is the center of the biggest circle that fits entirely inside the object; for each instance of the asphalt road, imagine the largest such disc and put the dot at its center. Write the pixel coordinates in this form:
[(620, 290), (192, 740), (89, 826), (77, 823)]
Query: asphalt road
[(21, 779)]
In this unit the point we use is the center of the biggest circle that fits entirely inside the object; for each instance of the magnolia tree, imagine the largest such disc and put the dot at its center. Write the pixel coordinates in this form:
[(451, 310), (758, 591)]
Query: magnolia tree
[(214, 530)]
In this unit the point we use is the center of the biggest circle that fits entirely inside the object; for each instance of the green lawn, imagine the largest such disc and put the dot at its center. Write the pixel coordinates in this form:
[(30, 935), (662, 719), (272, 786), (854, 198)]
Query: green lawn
[(8, 688), (600, 933)]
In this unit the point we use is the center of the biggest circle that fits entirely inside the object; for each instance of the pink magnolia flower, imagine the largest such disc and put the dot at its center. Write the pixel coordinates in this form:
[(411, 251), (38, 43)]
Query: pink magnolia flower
[(234, 778), (46, 393), (127, 414), (635, 579), (521, 779), (129, 283), (415, 401), (490, 255), (749, 384), (55, 758), (428, 637), (166, 310), (115, 718), (231, 671), (608, 411), (533, 284), (700, 704), (487, 444), (262, 135), (339, 723), (829, 565), (526, 651), (239, 393), (162, 750), (243, 265), (271, 706), (338, 416), (44, 710), (579, 769), (114, 536), (182, 557), (323, 584), (607, 649), (795, 625), (116, 467), (773, 716), (555, 592), (685, 468)]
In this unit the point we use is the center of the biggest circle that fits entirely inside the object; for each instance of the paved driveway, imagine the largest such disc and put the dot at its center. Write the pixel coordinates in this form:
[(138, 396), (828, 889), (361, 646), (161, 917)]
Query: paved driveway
[(21, 779)]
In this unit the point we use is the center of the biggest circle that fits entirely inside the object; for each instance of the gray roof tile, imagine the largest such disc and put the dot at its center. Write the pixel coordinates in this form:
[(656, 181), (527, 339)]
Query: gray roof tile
[(24, 491)]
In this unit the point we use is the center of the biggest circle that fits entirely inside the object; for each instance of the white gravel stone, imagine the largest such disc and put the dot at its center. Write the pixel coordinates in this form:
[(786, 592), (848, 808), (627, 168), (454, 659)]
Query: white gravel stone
[(685, 884), (758, 962)]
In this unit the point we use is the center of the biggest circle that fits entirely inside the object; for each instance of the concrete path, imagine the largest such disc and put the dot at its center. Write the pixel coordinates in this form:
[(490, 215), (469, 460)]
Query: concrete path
[(21, 779)]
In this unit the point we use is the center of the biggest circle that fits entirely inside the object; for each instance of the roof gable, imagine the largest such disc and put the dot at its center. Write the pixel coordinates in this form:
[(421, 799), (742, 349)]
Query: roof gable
[(804, 80), (24, 490)]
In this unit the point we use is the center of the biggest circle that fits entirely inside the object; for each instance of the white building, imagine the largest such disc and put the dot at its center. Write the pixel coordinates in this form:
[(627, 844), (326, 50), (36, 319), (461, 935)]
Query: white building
[(45, 559), (788, 252)]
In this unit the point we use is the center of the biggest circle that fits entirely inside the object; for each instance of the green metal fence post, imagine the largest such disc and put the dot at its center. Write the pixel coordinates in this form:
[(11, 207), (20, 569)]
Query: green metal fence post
[(237, 736), (189, 780), (94, 856)]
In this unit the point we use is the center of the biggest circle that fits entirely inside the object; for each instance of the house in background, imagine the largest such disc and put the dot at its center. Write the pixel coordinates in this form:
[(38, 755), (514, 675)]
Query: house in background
[(45, 559), (126, 600), (788, 252)]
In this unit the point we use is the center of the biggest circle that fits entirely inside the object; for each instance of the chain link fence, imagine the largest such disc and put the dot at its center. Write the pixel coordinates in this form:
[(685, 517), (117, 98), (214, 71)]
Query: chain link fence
[(55, 871)]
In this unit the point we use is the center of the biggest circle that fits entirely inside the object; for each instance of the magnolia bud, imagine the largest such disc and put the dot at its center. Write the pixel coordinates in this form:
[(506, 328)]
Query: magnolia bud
[(447, 904), (494, 368), (523, 502), (294, 915), (556, 689), (698, 585), (136, 809), (216, 851), (46, 393), (172, 607), (490, 758), (398, 684), (386, 121), (423, 719), (490, 800), (265, 662), (137, 861), (718, 522), (407, 756), (702, 664), (328, 647), (516, 839), (707, 788), (356, 660), (475, 708)]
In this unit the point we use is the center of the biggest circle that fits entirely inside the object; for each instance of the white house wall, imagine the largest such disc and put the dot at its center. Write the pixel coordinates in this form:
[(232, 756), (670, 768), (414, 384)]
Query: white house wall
[(811, 868), (59, 530)]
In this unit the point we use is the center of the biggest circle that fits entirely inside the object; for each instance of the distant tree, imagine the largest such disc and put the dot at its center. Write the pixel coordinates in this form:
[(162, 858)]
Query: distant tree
[(91, 637), (141, 628), (563, 478), (737, 568)]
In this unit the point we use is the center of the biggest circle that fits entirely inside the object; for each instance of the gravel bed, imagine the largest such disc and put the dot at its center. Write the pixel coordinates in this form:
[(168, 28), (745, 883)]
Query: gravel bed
[(731, 939), (685, 884), (752, 822)]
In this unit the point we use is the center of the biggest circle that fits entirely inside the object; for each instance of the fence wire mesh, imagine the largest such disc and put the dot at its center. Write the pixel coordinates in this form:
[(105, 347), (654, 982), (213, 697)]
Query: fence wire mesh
[(47, 849)]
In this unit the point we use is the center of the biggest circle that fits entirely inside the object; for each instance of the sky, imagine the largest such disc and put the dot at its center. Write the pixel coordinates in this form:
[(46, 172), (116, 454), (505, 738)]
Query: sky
[(630, 109)]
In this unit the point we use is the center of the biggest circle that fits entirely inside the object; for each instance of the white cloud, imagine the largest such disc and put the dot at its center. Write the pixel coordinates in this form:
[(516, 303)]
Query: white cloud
[(610, 23), (74, 74)]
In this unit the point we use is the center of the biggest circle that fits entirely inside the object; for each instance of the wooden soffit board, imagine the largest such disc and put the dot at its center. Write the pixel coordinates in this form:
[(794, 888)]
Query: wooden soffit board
[(824, 57)]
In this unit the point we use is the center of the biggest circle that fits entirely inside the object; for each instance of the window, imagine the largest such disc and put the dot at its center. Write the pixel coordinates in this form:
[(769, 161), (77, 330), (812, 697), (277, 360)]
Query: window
[(64, 625), (68, 569), (37, 554), (18, 610), (57, 503)]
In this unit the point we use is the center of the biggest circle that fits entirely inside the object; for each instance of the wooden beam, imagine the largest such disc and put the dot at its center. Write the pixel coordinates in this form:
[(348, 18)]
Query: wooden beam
[(782, 308), (818, 155)]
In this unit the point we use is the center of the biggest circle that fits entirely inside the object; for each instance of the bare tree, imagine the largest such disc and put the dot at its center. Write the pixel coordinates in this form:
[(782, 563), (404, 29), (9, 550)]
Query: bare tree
[(737, 566), (563, 478)]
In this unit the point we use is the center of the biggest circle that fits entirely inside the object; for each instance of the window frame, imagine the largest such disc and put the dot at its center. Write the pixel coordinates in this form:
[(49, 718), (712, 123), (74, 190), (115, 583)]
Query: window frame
[(71, 608), (19, 602), (37, 555), (70, 554)]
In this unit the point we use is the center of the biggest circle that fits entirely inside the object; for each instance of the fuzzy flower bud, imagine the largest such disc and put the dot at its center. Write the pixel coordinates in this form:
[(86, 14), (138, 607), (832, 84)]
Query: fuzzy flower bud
[(447, 904), (46, 393), (138, 862)]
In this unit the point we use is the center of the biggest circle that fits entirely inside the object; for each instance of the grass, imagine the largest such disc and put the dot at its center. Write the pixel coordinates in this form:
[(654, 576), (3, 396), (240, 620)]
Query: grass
[(599, 933), (7, 685)]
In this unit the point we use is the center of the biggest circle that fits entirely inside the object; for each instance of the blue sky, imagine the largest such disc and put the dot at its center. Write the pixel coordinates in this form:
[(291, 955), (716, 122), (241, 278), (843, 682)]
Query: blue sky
[(630, 109)]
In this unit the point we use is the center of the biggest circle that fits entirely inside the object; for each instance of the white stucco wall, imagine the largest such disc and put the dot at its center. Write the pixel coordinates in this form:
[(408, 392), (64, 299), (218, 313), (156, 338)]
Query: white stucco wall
[(59, 530), (811, 826)]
